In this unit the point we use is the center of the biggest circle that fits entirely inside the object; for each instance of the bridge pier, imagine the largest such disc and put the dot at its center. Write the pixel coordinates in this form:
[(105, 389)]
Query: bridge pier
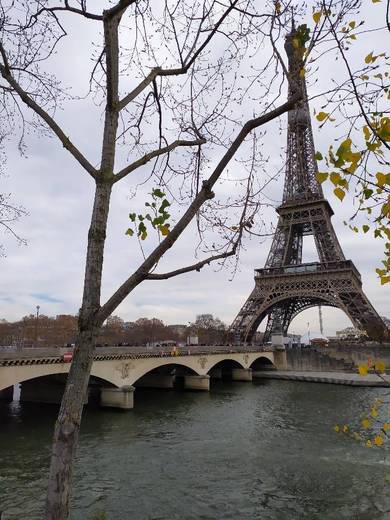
[(241, 374), (7, 394), (122, 398), (155, 381), (194, 382), (280, 359)]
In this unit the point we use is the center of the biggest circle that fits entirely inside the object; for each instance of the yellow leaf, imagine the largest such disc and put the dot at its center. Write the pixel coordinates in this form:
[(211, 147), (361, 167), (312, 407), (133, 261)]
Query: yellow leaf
[(386, 426), (164, 230), (366, 423), (337, 428), (357, 436), (321, 116), (363, 370), (321, 177), (366, 132), (380, 366), (277, 7), (317, 16), (376, 1), (369, 444), (340, 194), (374, 412), (368, 58), (352, 24), (345, 428), (380, 178), (378, 441), (302, 73), (335, 178)]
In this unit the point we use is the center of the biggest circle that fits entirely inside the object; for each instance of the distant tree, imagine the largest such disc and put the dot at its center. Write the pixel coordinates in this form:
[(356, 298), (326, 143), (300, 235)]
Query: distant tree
[(209, 330), (187, 88), (147, 330)]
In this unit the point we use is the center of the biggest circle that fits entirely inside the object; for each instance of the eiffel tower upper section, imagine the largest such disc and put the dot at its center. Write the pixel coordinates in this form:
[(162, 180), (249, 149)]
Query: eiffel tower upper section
[(301, 187), (286, 285)]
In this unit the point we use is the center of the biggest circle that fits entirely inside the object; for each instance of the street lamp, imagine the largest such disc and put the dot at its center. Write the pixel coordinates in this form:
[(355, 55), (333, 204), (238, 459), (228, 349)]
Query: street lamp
[(36, 326)]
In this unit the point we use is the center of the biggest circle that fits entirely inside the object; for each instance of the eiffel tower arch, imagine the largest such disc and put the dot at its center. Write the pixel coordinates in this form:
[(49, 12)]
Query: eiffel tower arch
[(286, 286)]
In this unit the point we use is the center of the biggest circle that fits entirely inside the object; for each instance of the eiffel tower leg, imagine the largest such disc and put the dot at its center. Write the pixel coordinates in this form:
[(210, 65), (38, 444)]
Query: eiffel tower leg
[(363, 315)]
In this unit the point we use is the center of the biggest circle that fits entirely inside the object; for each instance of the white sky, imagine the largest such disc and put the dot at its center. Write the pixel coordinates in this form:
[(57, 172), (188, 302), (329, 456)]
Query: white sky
[(58, 195)]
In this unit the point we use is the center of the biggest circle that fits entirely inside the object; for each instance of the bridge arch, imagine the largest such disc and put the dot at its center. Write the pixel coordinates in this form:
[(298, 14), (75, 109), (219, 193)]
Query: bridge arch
[(168, 368), (22, 373), (262, 363), (227, 362), (150, 365)]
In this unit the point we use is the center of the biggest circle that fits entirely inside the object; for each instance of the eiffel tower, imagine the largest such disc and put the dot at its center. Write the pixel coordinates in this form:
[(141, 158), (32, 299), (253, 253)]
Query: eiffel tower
[(286, 286)]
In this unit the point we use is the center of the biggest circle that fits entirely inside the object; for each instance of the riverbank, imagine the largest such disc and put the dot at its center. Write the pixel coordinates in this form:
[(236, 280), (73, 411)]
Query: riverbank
[(335, 378)]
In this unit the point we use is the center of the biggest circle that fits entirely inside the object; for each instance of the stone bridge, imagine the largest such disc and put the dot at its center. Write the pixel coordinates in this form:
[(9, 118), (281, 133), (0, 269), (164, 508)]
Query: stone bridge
[(116, 372)]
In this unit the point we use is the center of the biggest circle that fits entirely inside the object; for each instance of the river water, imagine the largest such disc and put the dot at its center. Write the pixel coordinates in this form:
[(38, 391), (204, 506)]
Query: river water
[(243, 451)]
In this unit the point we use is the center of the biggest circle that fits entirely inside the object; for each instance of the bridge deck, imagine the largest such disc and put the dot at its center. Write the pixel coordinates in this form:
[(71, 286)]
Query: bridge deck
[(36, 356)]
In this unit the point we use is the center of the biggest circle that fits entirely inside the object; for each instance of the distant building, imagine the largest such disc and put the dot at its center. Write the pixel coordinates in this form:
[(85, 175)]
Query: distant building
[(178, 329), (350, 333)]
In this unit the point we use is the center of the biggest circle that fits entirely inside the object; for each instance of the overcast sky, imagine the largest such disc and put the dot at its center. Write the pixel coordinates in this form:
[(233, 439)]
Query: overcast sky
[(58, 196)]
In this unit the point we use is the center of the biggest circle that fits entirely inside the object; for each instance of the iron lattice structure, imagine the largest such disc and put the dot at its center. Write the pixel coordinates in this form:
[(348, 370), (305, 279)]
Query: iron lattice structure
[(286, 286)]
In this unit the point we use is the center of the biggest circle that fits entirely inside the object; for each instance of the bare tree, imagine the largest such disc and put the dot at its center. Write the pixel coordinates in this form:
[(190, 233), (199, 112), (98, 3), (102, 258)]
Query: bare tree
[(9, 214), (187, 88)]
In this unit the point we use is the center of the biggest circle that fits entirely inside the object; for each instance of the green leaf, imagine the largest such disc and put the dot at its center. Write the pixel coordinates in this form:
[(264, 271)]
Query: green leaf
[(340, 194), (130, 232), (132, 216), (164, 204), (321, 177), (158, 193), (365, 228), (141, 229), (318, 156), (367, 193)]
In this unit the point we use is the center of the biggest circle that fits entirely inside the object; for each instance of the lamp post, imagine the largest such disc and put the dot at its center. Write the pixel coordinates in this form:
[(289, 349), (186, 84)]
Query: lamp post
[(36, 326)]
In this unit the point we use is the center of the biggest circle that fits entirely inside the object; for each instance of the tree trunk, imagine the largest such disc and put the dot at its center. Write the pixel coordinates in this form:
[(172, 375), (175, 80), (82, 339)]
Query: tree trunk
[(69, 418)]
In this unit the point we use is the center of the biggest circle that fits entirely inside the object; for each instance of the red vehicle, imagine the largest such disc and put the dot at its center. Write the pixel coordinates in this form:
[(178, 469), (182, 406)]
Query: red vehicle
[(67, 357)]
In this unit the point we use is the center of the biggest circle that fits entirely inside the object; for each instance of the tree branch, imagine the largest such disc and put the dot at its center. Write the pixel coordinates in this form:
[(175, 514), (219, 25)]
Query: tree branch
[(155, 153), (68, 8), (5, 71), (119, 8), (158, 71), (204, 194), (194, 267)]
